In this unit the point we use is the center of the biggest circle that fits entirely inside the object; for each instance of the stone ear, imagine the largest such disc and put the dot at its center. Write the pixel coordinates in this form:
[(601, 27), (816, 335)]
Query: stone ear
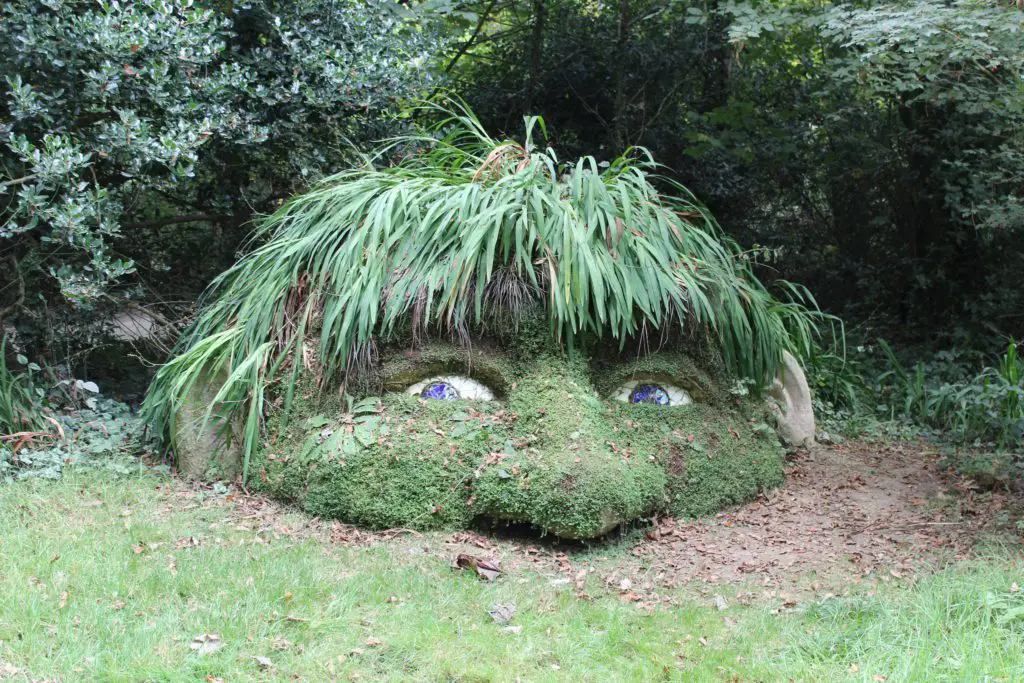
[(793, 396), (206, 450)]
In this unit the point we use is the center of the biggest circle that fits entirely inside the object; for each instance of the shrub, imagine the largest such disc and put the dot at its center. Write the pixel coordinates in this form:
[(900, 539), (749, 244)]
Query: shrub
[(19, 404)]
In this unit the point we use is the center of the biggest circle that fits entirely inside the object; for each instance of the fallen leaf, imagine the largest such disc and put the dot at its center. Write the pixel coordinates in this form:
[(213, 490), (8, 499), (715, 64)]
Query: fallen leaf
[(264, 662), (879, 678), (487, 571), (502, 613), (374, 642), (188, 542), (1014, 587), (721, 603), (854, 668), (512, 629), (205, 643), (63, 600)]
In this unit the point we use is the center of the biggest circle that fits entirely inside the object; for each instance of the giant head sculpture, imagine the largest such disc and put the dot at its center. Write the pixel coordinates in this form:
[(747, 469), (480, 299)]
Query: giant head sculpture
[(483, 331)]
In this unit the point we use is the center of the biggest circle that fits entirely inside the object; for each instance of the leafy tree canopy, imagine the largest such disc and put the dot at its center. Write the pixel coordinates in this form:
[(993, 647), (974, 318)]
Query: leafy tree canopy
[(874, 149), (136, 135)]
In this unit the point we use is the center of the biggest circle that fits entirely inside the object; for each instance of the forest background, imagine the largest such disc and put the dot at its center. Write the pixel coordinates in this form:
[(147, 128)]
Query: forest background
[(871, 151)]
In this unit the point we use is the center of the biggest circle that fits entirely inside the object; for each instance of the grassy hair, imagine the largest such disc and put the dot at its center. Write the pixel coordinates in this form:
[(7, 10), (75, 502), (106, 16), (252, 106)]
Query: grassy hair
[(463, 225)]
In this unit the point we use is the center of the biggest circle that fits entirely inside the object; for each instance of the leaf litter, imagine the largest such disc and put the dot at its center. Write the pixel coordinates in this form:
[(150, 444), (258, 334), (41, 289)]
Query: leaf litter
[(847, 513)]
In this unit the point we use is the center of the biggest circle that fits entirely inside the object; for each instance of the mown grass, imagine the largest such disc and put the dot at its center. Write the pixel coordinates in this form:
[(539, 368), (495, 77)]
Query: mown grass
[(78, 602)]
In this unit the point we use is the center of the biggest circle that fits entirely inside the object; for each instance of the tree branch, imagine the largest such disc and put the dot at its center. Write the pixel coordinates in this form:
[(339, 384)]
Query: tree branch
[(469, 43), (172, 220), (536, 46), (18, 181)]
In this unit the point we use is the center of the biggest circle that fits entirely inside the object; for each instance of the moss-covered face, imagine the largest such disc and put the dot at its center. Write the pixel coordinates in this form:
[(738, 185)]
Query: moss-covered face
[(467, 237), (523, 433)]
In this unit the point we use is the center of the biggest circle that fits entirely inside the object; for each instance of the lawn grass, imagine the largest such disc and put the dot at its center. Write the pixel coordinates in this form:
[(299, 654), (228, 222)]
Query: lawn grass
[(111, 577)]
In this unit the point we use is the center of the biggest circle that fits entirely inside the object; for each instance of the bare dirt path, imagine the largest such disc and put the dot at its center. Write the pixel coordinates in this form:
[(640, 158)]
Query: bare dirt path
[(845, 511)]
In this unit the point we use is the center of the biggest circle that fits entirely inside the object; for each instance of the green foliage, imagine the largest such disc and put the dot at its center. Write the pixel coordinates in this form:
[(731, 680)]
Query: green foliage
[(145, 135), (107, 436), (907, 119), (956, 393), (943, 393), (472, 232), (988, 406), (870, 151), (47, 425), (18, 400), (86, 128)]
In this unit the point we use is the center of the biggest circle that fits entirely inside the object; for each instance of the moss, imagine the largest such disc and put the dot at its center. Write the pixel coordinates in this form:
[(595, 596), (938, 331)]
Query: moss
[(551, 452), (413, 467), (712, 457), (671, 368), (566, 478), (490, 366)]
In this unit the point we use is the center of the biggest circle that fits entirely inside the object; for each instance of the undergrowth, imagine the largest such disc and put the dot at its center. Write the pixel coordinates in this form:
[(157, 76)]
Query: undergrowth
[(958, 393), (17, 396), (966, 398), (48, 424)]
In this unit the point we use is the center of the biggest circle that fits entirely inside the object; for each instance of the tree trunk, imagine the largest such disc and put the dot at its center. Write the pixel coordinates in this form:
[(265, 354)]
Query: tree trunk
[(619, 123), (716, 59), (536, 47)]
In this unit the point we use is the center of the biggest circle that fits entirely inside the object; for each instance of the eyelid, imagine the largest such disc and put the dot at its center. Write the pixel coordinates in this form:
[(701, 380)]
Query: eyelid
[(468, 388), (677, 395)]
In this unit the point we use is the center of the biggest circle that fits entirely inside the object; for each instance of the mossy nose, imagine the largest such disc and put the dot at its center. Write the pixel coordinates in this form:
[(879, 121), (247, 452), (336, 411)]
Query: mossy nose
[(559, 409), (564, 477)]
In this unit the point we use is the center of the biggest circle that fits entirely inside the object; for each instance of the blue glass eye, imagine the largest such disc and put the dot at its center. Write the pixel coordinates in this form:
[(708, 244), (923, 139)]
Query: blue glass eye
[(651, 394), (441, 391)]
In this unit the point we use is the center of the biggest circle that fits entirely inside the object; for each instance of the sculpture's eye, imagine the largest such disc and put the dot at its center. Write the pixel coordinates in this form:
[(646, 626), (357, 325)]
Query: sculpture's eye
[(451, 388), (652, 393)]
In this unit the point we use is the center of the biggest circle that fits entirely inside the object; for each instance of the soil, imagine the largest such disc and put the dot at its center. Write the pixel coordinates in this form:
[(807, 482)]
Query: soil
[(845, 510), (849, 513)]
